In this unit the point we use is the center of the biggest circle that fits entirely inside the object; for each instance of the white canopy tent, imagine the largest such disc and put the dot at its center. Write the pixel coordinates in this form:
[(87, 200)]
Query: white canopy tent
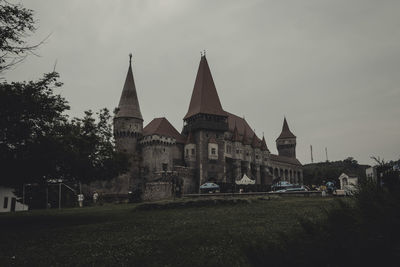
[(245, 180)]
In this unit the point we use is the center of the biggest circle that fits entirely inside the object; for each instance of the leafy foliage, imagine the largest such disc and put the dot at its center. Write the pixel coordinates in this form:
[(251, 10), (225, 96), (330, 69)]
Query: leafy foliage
[(31, 119), (39, 142), (90, 153), (16, 22), (317, 173)]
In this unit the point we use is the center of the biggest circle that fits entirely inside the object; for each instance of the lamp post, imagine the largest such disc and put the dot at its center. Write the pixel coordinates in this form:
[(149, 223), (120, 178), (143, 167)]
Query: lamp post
[(59, 196)]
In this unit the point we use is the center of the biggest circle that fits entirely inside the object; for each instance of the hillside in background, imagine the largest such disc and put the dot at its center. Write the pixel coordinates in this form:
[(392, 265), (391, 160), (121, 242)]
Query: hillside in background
[(318, 173)]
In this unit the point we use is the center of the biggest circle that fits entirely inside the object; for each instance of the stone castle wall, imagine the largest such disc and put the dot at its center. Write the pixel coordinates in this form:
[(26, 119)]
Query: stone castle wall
[(157, 190)]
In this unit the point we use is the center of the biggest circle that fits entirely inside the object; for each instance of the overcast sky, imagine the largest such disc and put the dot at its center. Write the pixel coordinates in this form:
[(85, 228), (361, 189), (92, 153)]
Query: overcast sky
[(331, 67)]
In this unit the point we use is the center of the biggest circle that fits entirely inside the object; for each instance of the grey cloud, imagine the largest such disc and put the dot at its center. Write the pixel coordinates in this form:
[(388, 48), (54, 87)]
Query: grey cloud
[(330, 66)]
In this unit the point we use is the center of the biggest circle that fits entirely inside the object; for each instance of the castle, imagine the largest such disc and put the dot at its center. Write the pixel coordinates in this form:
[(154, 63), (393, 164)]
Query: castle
[(214, 145)]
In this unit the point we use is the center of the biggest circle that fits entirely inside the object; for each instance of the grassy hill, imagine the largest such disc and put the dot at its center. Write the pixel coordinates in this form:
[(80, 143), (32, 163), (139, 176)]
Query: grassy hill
[(126, 235)]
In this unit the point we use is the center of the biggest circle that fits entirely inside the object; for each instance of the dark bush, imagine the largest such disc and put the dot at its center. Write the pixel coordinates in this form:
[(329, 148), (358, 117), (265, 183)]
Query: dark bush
[(361, 231)]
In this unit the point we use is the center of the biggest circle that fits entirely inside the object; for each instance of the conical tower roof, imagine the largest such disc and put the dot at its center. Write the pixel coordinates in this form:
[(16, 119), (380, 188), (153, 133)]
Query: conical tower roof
[(129, 104), (204, 96), (235, 136), (245, 139), (264, 145), (255, 143), (286, 133)]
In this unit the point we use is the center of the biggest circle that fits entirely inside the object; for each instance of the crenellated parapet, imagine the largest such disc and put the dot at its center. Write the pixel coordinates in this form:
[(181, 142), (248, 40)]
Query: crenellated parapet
[(156, 139)]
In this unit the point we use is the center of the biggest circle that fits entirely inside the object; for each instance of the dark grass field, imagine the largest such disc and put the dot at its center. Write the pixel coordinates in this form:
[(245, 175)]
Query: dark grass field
[(125, 235)]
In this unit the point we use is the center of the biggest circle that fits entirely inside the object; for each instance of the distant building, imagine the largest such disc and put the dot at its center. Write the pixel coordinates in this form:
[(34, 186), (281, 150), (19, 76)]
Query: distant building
[(348, 182), (213, 146), (9, 202)]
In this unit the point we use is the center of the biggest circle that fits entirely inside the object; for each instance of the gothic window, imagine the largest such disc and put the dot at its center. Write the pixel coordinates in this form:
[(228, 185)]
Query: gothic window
[(164, 166), (187, 152), (237, 151), (192, 151), (212, 151)]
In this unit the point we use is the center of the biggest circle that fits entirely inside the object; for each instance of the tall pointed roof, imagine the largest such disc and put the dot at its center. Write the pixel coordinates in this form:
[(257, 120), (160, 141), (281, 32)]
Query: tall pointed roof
[(240, 123), (255, 142), (286, 133), (245, 139), (162, 127), (264, 144), (235, 136), (204, 96), (128, 104)]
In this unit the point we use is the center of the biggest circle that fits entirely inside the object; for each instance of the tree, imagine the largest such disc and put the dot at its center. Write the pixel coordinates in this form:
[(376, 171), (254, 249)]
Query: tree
[(350, 161), (38, 141), (317, 173), (16, 23), (388, 173), (90, 152), (30, 116)]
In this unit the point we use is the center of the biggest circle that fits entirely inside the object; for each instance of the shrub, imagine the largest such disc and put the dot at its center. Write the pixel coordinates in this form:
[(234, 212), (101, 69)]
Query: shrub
[(362, 230)]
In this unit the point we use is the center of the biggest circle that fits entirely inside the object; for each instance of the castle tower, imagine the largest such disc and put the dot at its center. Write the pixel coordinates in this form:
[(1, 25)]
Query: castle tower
[(128, 126), (286, 142), (190, 151), (207, 122)]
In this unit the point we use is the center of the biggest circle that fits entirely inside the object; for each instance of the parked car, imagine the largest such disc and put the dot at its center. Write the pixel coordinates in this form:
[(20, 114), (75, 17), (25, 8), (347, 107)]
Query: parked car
[(293, 189)]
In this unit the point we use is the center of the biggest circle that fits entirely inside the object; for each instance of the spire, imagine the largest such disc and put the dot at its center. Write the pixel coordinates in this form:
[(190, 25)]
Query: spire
[(128, 104), (235, 136), (255, 143), (264, 144), (245, 140), (204, 96), (286, 133)]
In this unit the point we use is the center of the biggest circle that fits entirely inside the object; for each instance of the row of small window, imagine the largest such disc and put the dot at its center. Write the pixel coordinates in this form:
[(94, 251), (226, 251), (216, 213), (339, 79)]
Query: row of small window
[(229, 150), (213, 151), (216, 135)]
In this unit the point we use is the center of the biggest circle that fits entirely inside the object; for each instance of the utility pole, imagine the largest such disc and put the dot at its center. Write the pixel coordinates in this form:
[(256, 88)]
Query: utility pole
[(312, 159), (326, 153)]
